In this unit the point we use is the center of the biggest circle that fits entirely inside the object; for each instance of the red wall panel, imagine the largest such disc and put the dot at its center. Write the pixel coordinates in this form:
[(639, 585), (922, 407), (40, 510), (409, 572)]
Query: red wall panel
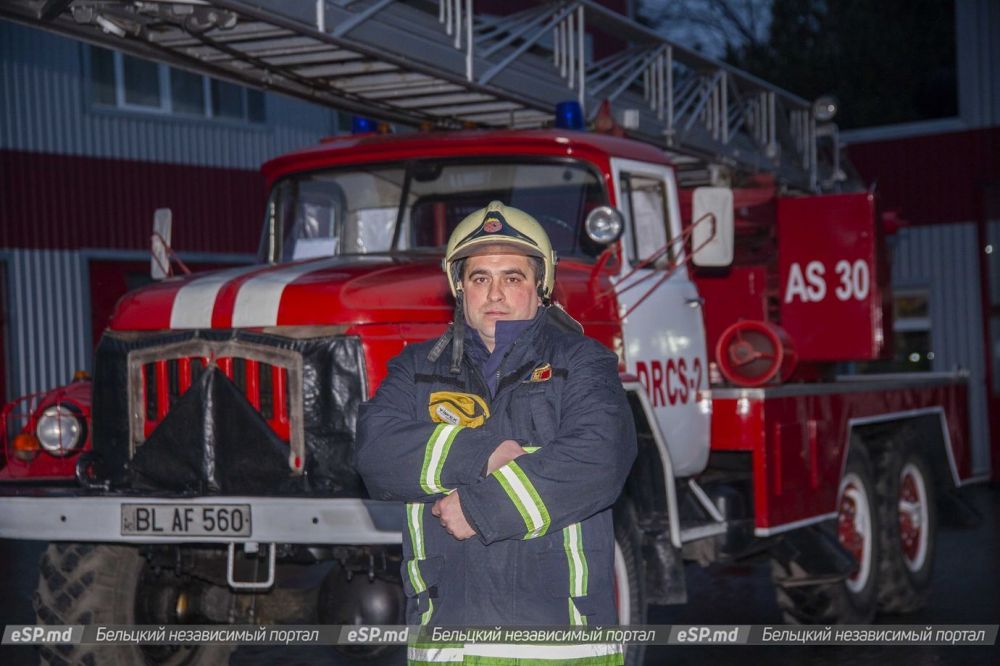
[(69, 202), (931, 179)]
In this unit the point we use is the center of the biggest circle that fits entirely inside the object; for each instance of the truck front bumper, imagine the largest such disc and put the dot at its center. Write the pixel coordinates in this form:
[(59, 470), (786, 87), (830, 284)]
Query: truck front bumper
[(54, 515)]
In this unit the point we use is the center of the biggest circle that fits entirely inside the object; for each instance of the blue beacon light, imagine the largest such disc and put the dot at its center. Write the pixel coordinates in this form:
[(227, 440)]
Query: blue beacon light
[(362, 125), (569, 115)]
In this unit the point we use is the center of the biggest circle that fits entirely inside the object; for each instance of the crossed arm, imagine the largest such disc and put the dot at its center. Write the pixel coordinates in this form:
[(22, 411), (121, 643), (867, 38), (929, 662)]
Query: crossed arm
[(572, 477), (448, 509)]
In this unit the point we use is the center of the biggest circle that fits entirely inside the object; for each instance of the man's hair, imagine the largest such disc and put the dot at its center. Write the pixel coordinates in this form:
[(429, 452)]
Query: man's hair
[(537, 267)]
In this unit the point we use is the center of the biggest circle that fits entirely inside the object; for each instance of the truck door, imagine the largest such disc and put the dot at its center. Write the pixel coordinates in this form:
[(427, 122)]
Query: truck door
[(662, 326)]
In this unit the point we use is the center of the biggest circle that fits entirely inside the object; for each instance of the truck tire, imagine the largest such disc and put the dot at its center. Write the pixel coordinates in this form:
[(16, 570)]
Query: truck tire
[(630, 595), (908, 522), (98, 584), (854, 600)]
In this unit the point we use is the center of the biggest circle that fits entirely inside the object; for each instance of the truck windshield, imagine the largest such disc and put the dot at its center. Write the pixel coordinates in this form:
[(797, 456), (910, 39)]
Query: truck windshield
[(413, 207)]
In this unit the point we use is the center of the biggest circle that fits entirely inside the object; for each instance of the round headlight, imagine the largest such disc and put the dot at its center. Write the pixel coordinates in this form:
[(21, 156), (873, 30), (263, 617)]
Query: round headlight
[(604, 225), (59, 430)]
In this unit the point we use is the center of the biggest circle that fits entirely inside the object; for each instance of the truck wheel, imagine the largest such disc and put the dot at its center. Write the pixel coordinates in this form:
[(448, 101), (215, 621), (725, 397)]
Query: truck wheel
[(630, 597), (853, 600), (908, 523), (97, 584)]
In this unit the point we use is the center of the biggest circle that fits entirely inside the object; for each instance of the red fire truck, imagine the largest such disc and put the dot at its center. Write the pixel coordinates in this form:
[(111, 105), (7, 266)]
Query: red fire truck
[(701, 251), (224, 403)]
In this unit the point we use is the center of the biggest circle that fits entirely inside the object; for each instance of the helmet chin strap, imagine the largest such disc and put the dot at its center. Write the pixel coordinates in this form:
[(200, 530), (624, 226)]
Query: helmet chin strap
[(455, 334), (458, 334)]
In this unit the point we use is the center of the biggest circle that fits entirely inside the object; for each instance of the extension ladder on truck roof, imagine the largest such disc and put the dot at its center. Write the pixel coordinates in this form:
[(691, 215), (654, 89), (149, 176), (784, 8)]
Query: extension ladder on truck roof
[(441, 64)]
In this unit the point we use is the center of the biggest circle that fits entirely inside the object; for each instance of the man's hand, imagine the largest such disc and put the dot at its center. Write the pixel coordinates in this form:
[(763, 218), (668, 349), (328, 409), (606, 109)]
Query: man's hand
[(503, 454), (448, 509)]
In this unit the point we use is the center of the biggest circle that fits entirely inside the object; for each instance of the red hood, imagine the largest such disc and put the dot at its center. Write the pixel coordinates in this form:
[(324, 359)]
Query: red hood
[(339, 290)]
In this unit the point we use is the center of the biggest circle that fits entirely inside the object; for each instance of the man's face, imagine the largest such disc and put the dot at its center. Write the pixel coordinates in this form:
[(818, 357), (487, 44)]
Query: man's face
[(498, 286)]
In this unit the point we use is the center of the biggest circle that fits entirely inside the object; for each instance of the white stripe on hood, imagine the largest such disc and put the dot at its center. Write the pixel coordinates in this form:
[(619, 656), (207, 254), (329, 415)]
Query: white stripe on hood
[(195, 301), (259, 298)]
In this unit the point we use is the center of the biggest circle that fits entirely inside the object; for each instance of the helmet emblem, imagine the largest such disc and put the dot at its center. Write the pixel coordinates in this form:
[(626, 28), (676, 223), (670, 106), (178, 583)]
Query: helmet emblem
[(492, 226)]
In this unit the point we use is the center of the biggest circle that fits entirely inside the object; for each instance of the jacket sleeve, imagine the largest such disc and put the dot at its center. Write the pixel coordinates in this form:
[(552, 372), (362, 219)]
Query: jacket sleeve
[(402, 455), (575, 475)]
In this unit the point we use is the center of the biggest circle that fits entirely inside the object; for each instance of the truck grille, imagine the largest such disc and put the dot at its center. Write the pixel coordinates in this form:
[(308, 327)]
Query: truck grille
[(265, 387), (159, 375), (153, 390)]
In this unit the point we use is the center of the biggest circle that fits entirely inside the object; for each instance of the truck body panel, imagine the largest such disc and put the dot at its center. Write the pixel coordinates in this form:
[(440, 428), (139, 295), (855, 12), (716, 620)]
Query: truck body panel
[(798, 436)]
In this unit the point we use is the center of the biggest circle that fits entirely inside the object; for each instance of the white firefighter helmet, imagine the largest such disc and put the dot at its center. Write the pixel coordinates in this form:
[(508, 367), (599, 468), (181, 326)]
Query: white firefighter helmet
[(510, 228)]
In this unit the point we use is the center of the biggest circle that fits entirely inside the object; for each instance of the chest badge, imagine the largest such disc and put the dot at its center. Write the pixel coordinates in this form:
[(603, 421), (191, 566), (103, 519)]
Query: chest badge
[(541, 374), (465, 409)]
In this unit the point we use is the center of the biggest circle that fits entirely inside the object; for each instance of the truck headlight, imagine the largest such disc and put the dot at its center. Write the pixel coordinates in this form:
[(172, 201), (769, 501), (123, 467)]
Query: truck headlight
[(60, 430)]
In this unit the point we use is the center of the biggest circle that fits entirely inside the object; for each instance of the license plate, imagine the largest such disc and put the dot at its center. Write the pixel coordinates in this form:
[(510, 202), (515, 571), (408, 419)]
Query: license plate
[(199, 520)]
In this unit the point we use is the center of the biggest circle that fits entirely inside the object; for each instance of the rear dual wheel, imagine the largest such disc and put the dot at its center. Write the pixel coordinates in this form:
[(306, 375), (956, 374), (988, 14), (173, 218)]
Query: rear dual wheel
[(858, 529), (909, 525)]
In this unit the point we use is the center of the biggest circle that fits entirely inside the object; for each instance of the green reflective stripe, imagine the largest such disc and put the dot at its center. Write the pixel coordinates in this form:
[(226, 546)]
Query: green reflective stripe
[(416, 580), (576, 558), (496, 654), (425, 617), (513, 497), (574, 615), (415, 523), (525, 498), (576, 561), (530, 449), (435, 453), (444, 654), (604, 660)]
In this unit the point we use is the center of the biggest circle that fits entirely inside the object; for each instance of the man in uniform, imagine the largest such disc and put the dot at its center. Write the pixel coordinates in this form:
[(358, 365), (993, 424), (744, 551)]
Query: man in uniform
[(509, 438)]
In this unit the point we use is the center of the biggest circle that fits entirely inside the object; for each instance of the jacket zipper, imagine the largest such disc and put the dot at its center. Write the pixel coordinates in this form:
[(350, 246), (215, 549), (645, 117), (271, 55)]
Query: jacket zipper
[(503, 361), (484, 390)]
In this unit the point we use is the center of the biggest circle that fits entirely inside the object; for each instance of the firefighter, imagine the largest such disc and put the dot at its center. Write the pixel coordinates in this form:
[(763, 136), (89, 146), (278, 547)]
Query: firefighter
[(509, 438)]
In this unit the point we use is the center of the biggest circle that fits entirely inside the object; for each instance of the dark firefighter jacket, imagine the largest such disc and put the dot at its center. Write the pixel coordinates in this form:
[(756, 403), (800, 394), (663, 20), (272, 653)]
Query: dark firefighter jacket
[(545, 547)]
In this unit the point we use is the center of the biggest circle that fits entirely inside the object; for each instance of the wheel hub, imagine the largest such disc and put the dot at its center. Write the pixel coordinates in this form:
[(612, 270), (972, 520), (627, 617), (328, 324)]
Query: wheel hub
[(850, 536), (854, 529), (912, 510)]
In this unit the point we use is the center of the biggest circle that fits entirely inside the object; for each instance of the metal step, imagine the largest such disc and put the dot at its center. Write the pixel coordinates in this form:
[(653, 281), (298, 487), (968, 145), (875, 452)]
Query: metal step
[(437, 63), (709, 523)]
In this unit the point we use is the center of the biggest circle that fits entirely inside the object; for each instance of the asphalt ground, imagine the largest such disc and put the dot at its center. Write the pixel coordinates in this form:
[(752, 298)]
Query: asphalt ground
[(965, 590)]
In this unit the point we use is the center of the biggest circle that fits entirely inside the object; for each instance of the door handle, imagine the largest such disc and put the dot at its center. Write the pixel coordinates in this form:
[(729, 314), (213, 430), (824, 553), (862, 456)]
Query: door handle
[(695, 301)]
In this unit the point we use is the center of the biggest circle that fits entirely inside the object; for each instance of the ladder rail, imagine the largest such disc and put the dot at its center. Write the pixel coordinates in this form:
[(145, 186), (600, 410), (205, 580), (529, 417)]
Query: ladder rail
[(369, 56)]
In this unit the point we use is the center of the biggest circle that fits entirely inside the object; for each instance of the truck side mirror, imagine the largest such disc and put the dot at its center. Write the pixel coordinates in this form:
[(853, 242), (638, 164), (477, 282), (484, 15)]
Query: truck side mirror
[(712, 226), (159, 260)]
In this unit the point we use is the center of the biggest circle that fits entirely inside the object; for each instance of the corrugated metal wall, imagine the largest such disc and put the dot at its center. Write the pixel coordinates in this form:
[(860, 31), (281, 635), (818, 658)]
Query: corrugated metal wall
[(45, 107), (75, 175), (944, 260), (47, 294)]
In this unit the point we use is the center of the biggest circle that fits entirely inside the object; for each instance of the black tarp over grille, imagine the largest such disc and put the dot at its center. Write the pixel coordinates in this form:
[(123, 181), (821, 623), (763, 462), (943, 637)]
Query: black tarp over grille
[(217, 443)]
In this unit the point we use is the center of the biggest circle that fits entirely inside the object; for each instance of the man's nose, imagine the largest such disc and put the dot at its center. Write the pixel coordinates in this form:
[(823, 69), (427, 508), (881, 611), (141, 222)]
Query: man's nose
[(495, 292)]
